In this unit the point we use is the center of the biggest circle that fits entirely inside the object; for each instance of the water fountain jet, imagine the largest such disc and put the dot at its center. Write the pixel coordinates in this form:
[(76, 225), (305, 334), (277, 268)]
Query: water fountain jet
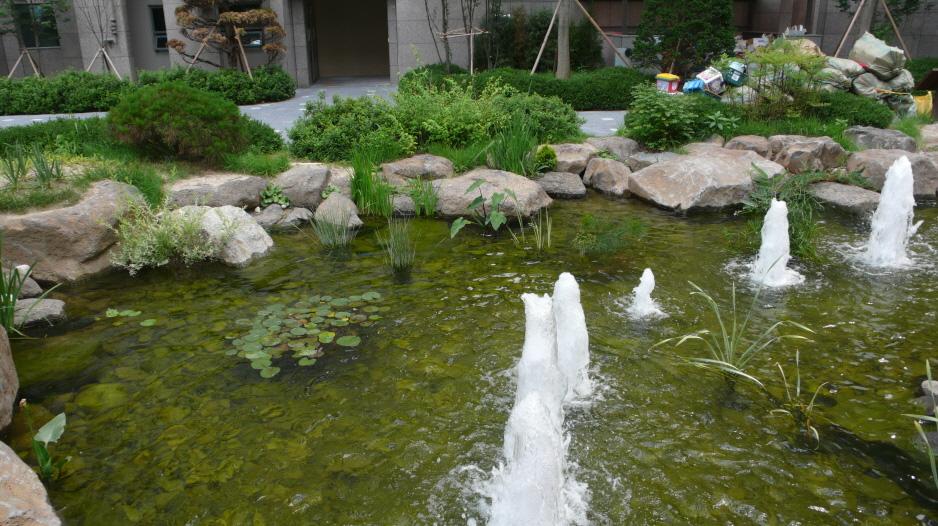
[(892, 222), (771, 266), (643, 306), (573, 356)]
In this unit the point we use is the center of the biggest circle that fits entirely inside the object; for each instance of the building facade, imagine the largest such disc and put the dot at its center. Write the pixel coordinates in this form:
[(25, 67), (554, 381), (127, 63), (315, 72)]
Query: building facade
[(364, 38)]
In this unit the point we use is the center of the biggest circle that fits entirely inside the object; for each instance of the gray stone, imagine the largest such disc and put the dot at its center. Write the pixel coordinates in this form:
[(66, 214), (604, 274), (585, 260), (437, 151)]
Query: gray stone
[(424, 166), (72, 242), (403, 205), (303, 184), (573, 157), (873, 165), (23, 498), (753, 143), (695, 148), (9, 381), (236, 234), (718, 178), (621, 147), (269, 216), (850, 198), (454, 201), (562, 185), (294, 217), (645, 159), (35, 311), (608, 176), (218, 190), (338, 209), (340, 178), (799, 154), (930, 387), (870, 138), (276, 217), (29, 288), (930, 137)]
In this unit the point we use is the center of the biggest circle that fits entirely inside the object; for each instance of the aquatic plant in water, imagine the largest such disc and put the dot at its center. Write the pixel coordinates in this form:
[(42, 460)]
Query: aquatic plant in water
[(11, 285), (305, 329), (398, 247), (795, 406), (50, 432), (933, 420), (273, 195), (485, 212)]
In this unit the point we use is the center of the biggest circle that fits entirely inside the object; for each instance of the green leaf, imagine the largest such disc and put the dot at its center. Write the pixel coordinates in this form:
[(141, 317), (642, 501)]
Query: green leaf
[(343, 315), (326, 337), (475, 203), (339, 302), (497, 219), (51, 431), (339, 323), (148, 323), (269, 372), (298, 331), (475, 185), (497, 199), (112, 313), (457, 225), (349, 341), (130, 313), (260, 363), (371, 296), (306, 361)]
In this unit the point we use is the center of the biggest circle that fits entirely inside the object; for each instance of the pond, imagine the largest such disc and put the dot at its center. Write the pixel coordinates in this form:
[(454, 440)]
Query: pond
[(165, 426)]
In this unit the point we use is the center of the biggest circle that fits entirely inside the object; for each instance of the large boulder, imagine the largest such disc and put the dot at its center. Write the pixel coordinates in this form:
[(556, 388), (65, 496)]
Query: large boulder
[(873, 164), (621, 147), (23, 498), (9, 382), (303, 184), (238, 236), (870, 138), (34, 311), (645, 159), (276, 217), (608, 176), (340, 179), (454, 201), (562, 185), (72, 242), (338, 209), (930, 137), (425, 166), (573, 157), (715, 179), (218, 190), (853, 199), (753, 143), (799, 154)]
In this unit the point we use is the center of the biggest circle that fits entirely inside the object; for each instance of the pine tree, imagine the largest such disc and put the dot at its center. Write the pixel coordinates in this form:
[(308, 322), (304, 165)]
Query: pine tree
[(684, 36)]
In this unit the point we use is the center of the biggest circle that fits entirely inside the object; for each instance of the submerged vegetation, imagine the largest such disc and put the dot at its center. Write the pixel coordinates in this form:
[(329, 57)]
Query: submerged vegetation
[(597, 235)]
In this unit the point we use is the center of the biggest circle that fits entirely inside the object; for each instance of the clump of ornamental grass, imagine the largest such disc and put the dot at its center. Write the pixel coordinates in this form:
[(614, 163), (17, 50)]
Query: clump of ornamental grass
[(399, 249)]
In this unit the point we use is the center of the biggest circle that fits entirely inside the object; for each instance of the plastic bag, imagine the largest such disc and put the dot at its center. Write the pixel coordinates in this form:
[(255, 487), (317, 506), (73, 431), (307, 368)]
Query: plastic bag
[(869, 86), (849, 68), (881, 59), (903, 82), (834, 78), (924, 104)]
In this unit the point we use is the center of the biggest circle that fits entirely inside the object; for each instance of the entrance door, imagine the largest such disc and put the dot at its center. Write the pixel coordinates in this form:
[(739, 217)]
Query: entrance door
[(350, 39)]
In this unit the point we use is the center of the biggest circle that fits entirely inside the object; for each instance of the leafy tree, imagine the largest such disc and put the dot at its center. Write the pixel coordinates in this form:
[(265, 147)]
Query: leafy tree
[(684, 36), (220, 24), (14, 17)]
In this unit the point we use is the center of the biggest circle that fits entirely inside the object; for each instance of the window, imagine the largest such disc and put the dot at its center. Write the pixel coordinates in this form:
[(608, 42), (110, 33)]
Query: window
[(253, 36), (159, 27), (36, 22)]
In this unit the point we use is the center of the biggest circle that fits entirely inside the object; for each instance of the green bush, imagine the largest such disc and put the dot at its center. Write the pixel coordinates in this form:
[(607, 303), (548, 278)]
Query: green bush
[(683, 36), (919, 67), (334, 132), (68, 92), (464, 158), (661, 121), (270, 83), (450, 114), (178, 121), (545, 160), (853, 109), (261, 138)]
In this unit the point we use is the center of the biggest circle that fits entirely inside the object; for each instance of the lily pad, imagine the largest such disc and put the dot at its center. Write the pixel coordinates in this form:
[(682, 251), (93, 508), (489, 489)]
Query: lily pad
[(112, 313), (269, 372), (130, 313), (326, 337), (260, 363), (339, 323), (148, 323), (339, 302), (306, 361), (343, 315), (349, 341), (298, 331), (371, 296)]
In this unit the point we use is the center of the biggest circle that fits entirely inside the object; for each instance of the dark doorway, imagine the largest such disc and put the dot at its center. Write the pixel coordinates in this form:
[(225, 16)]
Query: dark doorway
[(347, 38)]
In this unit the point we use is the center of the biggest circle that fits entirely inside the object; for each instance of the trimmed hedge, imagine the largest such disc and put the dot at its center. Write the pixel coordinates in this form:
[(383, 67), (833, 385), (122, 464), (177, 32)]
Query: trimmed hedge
[(601, 89), (79, 91), (854, 109)]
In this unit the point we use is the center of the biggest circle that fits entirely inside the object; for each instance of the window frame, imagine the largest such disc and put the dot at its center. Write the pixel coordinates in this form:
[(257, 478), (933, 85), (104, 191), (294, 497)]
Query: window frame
[(37, 37), (155, 33)]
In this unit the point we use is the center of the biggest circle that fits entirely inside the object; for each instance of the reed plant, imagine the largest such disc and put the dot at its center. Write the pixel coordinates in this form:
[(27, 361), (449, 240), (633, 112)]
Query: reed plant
[(14, 166), (424, 196), (47, 172), (513, 149), (929, 421), (372, 194), (542, 230), (465, 158), (334, 233), (795, 404), (399, 249), (12, 282)]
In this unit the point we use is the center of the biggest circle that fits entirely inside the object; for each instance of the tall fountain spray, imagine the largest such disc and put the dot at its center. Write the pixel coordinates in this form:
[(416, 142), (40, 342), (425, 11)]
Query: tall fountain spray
[(771, 266), (538, 370), (643, 306), (892, 221), (573, 355)]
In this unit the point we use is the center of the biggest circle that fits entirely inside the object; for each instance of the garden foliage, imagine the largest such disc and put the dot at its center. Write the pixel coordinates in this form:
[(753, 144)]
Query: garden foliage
[(684, 37)]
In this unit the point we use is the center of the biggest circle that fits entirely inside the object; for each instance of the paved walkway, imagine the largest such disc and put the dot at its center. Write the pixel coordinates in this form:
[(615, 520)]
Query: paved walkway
[(281, 115)]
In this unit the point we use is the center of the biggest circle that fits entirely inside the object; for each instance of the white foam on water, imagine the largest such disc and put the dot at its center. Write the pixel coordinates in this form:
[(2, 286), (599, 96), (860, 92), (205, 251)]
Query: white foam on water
[(892, 225), (573, 355), (642, 305), (771, 266)]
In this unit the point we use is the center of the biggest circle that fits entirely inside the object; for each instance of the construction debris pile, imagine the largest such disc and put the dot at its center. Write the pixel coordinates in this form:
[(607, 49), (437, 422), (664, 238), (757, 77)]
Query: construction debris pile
[(874, 69)]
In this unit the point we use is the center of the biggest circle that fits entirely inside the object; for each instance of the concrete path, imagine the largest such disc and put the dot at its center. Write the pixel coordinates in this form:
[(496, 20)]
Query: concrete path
[(281, 115)]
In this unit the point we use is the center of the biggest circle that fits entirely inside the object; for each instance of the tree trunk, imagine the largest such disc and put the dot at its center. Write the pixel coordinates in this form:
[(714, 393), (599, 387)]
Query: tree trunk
[(563, 40)]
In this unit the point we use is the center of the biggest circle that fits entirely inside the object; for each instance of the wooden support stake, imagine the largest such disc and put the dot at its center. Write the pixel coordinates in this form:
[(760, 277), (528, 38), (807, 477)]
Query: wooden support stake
[(601, 32), (108, 60), (244, 56), (550, 28), (195, 58), (15, 65), (93, 59), (32, 63), (849, 28), (896, 29)]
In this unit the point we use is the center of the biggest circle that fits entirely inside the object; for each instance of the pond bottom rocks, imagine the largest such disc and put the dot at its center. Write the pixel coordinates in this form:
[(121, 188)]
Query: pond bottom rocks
[(276, 217)]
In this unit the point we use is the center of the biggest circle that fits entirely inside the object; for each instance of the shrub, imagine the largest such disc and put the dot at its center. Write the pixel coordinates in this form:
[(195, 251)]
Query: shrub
[(545, 160), (919, 67), (854, 110), (808, 126), (548, 118), (270, 83), (175, 120), (513, 149), (79, 91), (684, 36), (261, 138), (661, 121), (334, 132), (148, 237), (450, 114)]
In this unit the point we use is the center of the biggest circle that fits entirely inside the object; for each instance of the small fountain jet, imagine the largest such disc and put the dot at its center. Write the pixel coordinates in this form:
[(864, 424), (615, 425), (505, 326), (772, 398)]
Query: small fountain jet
[(771, 266), (892, 225), (643, 306)]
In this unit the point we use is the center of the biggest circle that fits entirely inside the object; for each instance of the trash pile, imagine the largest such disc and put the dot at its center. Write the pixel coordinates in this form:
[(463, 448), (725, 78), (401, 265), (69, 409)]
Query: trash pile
[(874, 69)]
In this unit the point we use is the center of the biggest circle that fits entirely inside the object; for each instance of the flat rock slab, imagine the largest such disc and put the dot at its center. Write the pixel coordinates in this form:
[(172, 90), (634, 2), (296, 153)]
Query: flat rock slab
[(873, 165), (573, 157), (238, 236), (217, 190), (338, 210), (304, 183), (34, 311), (853, 199), (453, 201), (870, 138), (753, 143), (608, 176), (799, 154), (71, 242), (425, 166), (645, 159), (620, 147), (275, 217), (562, 185), (9, 381), (930, 137), (23, 498), (715, 179)]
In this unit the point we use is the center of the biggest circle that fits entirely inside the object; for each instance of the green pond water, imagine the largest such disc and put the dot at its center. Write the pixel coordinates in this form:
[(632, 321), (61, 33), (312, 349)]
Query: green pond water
[(164, 427)]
